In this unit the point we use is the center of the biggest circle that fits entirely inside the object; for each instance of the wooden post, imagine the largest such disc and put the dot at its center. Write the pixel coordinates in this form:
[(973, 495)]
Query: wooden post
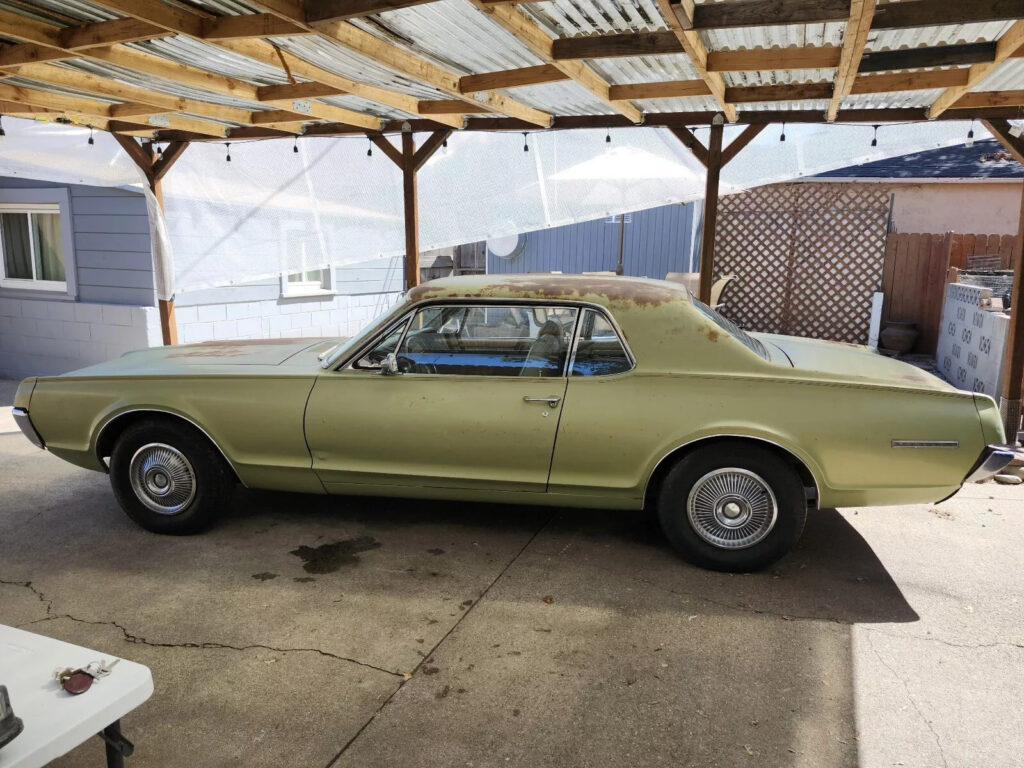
[(409, 161), (154, 167), (1013, 362), (710, 213)]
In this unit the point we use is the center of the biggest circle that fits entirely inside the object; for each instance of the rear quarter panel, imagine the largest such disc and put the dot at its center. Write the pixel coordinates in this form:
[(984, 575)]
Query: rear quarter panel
[(614, 431), (254, 418)]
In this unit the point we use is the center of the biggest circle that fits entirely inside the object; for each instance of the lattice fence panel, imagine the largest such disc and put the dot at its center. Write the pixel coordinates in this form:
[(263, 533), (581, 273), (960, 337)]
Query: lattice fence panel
[(807, 257)]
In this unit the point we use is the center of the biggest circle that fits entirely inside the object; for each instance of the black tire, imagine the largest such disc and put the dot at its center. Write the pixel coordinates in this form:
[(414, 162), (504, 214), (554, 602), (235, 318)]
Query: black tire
[(205, 475), (760, 468)]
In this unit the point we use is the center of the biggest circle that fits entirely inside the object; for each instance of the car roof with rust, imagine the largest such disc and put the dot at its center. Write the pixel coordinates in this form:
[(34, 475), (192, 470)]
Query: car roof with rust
[(600, 289)]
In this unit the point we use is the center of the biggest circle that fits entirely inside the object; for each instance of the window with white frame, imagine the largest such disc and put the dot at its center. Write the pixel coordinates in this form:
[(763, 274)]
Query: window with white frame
[(306, 282), (31, 240)]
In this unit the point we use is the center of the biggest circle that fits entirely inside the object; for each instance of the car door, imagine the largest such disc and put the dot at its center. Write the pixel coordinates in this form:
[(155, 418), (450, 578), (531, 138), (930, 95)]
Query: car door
[(472, 401)]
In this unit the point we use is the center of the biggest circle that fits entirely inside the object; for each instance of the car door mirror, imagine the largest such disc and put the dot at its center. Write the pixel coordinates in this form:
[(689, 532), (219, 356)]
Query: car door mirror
[(389, 365)]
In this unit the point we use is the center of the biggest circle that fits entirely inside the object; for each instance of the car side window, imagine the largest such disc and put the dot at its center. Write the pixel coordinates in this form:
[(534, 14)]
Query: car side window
[(372, 360), (599, 350), (488, 340)]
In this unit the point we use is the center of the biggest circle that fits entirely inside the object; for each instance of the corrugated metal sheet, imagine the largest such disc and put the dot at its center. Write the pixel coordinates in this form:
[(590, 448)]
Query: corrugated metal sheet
[(186, 50), (891, 100), (1008, 76), (916, 37), (778, 77), (788, 36), (565, 98)]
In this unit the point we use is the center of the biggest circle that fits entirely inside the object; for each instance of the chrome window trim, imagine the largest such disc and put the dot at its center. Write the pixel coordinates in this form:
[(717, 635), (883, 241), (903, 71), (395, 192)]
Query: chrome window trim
[(206, 434), (347, 363), (618, 332)]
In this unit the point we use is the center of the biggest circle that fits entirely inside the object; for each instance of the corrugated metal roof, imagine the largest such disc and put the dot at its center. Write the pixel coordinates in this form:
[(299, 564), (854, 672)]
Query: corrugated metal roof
[(1008, 76), (896, 100)]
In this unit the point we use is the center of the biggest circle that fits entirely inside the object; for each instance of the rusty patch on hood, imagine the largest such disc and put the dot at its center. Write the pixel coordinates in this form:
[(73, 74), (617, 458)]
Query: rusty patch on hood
[(639, 292)]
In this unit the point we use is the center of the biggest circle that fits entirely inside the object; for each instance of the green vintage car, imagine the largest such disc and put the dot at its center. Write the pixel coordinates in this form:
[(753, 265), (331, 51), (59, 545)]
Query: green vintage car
[(605, 392)]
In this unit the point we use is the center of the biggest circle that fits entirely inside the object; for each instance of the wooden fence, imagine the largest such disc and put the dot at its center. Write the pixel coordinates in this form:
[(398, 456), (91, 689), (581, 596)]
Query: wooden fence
[(914, 277)]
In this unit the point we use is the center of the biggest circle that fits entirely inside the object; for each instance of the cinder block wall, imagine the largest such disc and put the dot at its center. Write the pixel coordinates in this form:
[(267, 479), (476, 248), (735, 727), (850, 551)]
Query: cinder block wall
[(41, 337)]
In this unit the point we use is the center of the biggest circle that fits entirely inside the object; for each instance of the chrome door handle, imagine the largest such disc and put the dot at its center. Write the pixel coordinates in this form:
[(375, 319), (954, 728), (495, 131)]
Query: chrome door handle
[(551, 401)]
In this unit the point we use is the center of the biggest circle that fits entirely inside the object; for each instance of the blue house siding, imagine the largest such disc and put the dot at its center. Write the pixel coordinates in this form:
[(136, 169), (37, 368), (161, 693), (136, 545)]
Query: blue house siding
[(112, 254), (657, 241)]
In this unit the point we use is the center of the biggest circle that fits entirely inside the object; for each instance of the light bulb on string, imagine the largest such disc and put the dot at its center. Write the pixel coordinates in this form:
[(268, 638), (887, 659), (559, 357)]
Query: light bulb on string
[(526, 147), (782, 136), (2, 131), (295, 146), (970, 134), (227, 157), (91, 140), (159, 149), (369, 147), (608, 137), (874, 137)]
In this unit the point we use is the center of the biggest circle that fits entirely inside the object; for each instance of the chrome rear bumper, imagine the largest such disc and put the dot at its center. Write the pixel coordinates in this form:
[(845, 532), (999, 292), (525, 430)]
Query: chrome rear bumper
[(25, 425), (993, 460)]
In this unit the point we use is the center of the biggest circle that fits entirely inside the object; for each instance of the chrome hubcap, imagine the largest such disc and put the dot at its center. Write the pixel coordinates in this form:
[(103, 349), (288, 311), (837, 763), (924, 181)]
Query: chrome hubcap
[(162, 478), (732, 508)]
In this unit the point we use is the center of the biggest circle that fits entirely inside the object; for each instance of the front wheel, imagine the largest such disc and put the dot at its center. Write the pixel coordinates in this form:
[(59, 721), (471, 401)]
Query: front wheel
[(732, 507), (168, 478)]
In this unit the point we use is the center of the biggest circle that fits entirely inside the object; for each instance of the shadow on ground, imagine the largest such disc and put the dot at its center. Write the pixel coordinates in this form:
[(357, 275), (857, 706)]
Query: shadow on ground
[(533, 637)]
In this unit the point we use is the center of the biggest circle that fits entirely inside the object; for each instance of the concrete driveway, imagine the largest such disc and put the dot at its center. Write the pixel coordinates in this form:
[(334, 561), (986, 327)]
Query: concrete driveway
[(308, 631)]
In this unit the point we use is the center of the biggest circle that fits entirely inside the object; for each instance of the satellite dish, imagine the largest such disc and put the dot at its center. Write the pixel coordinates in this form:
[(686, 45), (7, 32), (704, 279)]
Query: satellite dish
[(507, 247)]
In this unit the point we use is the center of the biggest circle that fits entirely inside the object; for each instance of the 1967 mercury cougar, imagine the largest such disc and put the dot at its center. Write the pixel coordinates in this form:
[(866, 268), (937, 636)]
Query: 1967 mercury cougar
[(545, 389)]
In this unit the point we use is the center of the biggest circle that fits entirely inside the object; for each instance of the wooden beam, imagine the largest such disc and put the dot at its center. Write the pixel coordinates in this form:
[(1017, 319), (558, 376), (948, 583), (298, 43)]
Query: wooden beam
[(109, 33), (450, 107), (527, 31), (854, 39), (937, 56), (336, 10), (250, 25), (411, 208), (796, 92), (168, 158), (991, 99), (135, 151), (613, 46), (824, 57), (1011, 43), (760, 13), (667, 89), (710, 211), (1001, 129), (158, 165), (676, 16), (429, 147), (310, 90), (318, 110), (909, 81), (691, 142), (30, 53), (736, 145), (171, 17), (1013, 360), (390, 150), (511, 78), (925, 13)]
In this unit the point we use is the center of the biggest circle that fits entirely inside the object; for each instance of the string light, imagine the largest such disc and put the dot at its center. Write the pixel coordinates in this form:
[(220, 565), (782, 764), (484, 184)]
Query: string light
[(159, 149), (608, 137), (874, 137), (526, 147), (369, 147), (444, 143), (295, 146), (91, 141), (782, 136), (227, 145), (2, 131), (970, 134)]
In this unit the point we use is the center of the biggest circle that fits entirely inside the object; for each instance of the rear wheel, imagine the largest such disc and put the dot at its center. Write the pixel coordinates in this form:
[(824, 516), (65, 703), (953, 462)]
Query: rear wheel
[(168, 477), (732, 507)]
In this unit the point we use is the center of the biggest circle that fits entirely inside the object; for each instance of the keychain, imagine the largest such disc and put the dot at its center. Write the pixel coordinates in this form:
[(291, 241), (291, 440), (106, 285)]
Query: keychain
[(77, 681)]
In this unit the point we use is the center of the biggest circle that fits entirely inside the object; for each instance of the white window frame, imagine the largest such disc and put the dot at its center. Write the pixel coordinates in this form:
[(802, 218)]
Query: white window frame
[(48, 200), (301, 288)]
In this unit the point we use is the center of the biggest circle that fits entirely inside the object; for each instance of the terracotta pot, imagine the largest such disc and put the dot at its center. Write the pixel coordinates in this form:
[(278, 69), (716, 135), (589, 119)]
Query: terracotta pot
[(899, 337)]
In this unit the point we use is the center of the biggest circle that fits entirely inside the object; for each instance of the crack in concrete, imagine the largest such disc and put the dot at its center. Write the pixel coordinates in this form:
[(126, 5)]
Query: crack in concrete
[(740, 606), (910, 698), (430, 654), (139, 640), (949, 643)]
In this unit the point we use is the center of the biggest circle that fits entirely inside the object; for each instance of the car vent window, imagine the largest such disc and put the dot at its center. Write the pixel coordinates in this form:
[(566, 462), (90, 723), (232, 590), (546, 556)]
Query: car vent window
[(599, 350)]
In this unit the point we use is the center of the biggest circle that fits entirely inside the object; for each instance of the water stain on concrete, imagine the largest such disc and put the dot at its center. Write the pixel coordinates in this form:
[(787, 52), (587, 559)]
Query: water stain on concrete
[(265, 576), (303, 579), (328, 558)]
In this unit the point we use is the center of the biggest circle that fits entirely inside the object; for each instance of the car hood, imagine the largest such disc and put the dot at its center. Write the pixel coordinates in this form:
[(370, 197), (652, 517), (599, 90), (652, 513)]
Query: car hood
[(222, 355), (852, 362)]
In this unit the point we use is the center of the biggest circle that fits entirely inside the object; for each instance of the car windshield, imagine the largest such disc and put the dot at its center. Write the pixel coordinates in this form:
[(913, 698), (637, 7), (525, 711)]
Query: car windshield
[(731, 328), (342, 349)]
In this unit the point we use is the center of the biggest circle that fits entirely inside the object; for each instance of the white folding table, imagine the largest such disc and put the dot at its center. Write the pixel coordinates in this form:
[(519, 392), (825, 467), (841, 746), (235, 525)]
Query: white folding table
[(55, 721)]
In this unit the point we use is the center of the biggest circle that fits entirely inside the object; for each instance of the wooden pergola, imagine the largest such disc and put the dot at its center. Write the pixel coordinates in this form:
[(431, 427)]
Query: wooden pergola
[(160, 74)]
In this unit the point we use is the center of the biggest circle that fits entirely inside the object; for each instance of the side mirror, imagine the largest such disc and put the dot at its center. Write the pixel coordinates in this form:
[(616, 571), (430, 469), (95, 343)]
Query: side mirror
[(389, 365)]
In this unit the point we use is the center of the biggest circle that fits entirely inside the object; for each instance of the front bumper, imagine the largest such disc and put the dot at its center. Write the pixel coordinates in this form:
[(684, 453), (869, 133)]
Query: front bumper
[(992, 461), (25, 425)]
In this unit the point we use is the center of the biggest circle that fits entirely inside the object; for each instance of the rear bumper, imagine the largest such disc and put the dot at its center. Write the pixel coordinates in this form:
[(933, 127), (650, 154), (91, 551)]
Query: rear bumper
[(25, 425), (993, 460)]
